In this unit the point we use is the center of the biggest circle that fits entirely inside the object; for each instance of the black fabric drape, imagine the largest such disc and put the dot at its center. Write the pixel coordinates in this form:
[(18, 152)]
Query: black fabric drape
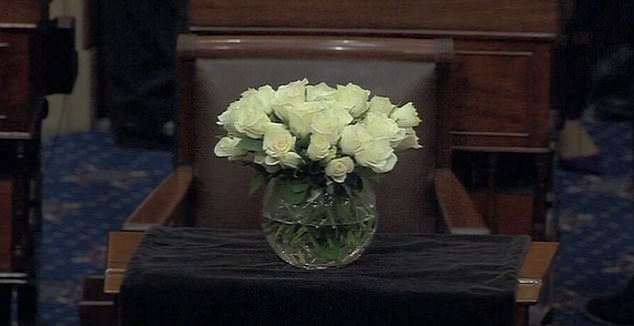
[(195, 276)]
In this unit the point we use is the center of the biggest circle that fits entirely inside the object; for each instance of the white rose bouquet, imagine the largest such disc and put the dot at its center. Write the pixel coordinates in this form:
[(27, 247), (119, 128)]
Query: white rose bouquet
[(316, 134), (317, 144)]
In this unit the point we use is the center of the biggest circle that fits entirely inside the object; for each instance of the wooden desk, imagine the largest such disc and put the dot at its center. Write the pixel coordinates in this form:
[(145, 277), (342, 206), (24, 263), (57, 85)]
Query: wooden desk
[(22, 108), (533, 276)]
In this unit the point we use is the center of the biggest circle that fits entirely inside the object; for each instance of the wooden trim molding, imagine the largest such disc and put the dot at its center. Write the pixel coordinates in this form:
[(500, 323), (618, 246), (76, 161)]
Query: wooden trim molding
[(377, 32), (519, 16), (290, 46)]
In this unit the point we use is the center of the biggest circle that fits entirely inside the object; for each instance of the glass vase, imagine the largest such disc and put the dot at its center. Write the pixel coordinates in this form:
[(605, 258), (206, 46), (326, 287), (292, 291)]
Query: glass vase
[(328, 226)]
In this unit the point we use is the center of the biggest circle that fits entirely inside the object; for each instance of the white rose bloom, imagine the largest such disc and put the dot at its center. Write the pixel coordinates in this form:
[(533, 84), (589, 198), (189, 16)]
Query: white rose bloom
[(260, 158), (290, 160), (226, 118), (244, 121), (251, 122), (406, 116), (261, 98), (227, 147), (381, 104), (376, 155), (353, 98), (352, 138), (319, 147), (287, 160), (330, 123), (339, 168), (277, 142), (301, 117), (292, 90), (320, 92), (288, 97), (381, 127), (409, 140), (276, 127)]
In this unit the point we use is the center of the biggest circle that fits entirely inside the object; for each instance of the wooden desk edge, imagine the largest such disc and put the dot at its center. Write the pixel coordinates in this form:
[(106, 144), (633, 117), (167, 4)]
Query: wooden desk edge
[(532, 274)]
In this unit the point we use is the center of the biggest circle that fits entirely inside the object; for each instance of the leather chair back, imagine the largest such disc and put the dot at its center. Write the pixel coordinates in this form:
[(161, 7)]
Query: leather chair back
[(211, 79)]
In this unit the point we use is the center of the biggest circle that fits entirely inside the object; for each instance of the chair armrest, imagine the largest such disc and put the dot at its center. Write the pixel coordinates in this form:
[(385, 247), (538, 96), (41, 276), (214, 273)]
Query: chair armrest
[(535, 271), (457, 209), (159, 206)]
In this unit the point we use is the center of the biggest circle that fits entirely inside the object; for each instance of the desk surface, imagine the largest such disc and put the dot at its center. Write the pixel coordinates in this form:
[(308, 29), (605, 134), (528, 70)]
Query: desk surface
[(532, 275)]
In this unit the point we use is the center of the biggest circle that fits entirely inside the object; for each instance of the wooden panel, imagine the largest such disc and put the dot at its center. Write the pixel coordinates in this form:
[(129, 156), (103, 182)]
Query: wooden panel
[(475, 15), (16, 72), (4, 77), (496, 89), (514, 212), (6, 217), (20, 11), (500, 94)]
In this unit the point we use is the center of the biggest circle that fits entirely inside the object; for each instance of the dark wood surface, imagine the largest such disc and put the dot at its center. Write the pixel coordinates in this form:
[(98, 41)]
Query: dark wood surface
[(457, 208), (501, 94), (16, 96), (21, 11), (538, 16), (22, 105), (96, 308)]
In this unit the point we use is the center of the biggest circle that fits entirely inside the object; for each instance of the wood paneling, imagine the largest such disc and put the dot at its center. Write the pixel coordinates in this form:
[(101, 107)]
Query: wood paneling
[(4, 77), (20, 11), (501, 94), (15, 100), (513, 212), (536, 16)]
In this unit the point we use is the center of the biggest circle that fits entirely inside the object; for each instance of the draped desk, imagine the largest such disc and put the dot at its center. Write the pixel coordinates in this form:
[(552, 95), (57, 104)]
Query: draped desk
[(532, 275)]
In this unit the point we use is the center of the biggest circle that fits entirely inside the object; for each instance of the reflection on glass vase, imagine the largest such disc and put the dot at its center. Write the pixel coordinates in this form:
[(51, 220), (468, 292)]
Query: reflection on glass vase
[(326, 226)]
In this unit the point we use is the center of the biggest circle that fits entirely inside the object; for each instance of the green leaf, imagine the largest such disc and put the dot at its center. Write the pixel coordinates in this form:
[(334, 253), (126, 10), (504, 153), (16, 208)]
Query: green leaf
[(293, 191), (251, 145), (303, 142), (256, 182)]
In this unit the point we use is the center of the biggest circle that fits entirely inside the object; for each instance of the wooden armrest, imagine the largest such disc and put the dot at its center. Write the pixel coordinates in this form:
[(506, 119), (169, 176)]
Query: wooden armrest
[(159, 206), (459, 213), (121, 246), (535, 271)]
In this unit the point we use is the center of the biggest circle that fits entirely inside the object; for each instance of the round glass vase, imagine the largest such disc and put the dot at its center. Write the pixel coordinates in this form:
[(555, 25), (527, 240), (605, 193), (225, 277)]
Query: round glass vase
[(319, 227)]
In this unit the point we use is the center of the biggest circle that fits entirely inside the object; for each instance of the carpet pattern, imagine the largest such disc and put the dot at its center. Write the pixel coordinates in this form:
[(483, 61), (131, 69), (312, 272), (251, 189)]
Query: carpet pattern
[(90, 186), (596, 225)]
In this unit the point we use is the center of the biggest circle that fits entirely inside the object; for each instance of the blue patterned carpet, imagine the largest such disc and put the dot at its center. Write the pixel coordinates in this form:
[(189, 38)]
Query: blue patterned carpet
[(596, 224), (90, 186)]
